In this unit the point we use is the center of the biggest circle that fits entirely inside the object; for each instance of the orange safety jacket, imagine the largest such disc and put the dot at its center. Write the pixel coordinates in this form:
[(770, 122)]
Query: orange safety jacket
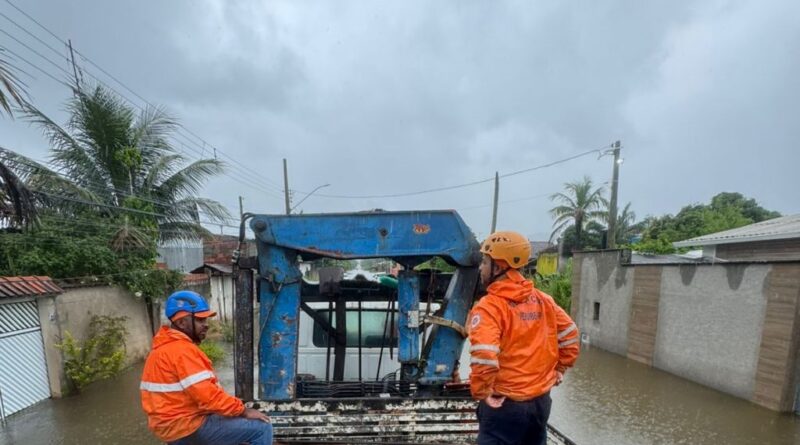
[(179, 388), (519, 338)]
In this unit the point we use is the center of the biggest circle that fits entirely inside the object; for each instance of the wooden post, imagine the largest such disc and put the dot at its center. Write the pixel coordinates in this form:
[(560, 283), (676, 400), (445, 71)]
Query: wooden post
[(243, 335)]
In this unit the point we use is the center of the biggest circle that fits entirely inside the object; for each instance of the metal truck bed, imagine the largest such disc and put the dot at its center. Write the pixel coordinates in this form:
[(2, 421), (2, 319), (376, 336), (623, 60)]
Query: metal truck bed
[(383, 421)]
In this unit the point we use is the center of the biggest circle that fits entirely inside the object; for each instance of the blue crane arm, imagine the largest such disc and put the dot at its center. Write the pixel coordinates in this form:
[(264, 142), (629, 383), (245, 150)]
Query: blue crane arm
[(408, 237), (396, 235)]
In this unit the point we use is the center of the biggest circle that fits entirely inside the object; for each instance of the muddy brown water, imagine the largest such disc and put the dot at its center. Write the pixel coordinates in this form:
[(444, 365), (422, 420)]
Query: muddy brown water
[(606, 399)]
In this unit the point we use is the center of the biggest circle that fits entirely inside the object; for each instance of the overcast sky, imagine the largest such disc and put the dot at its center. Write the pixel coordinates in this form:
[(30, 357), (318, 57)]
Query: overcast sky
[(379, 98)]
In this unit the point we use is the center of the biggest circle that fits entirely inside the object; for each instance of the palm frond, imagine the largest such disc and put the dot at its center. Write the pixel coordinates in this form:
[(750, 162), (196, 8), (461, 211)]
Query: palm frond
[(188, 180), (189, 207), (182, 230), (11, 88), (17, 203)]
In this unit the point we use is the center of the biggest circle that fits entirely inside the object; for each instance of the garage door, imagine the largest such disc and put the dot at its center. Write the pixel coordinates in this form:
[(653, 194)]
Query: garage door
[(23, 374)]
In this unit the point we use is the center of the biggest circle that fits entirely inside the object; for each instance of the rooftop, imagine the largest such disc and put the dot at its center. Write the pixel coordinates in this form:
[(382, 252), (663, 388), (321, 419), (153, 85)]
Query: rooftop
[(14, 287), (785, 227)]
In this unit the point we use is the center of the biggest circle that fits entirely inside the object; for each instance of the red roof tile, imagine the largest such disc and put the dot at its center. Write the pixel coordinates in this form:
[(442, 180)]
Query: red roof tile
[(11, 287)]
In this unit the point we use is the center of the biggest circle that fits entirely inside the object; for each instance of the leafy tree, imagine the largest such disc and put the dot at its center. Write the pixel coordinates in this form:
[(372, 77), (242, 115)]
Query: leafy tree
[(726, 211), (578, 204), (592, 238), (112, 155), (558, 286)]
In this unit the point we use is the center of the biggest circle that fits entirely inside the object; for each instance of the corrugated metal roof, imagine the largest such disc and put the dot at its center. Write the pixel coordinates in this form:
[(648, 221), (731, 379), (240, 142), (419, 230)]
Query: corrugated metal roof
[(785, 227), (13, 287), (218, 267)]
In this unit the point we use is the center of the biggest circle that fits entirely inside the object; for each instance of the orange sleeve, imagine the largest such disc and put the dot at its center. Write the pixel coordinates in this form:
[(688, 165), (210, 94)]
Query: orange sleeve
[(199, 383), (568, 339), (484, 337)]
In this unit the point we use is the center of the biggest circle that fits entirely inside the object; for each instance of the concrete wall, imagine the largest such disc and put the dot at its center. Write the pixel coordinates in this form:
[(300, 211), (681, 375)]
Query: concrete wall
[(51, 335), (75, 308), (709, 324), (733, 327), (612, 287)]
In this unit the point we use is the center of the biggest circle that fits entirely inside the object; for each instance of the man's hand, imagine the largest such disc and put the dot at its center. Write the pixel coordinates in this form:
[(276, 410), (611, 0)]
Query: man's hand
[(495, 401), (254, 414), (559, 377)]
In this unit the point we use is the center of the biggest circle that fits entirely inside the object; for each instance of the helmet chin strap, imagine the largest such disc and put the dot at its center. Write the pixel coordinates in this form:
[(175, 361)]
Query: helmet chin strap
[(496, 274), (194, 336)]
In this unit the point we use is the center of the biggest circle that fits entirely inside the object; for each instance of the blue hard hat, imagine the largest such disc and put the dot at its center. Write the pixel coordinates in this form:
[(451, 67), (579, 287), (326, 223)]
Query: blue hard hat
[(189, 302)]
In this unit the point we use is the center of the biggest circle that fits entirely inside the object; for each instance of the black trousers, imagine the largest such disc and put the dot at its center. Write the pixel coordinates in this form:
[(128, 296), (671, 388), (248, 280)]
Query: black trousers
[(514, 423)]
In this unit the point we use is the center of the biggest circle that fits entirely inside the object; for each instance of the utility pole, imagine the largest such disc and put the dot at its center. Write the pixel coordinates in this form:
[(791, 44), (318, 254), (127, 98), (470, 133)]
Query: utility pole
[(74, 66), (494, 206), (286, 187), (612, 207), (241, 208)]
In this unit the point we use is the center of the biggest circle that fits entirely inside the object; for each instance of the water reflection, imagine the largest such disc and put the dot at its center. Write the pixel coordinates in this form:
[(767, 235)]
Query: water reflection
[(608, 399)]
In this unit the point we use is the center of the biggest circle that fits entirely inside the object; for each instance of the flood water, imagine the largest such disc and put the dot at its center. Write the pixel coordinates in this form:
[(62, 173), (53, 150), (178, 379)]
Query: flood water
[(606, 400)]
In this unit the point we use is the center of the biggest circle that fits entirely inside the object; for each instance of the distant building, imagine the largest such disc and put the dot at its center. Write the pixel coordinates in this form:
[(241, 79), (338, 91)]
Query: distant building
[(182, 255), (773, 240)]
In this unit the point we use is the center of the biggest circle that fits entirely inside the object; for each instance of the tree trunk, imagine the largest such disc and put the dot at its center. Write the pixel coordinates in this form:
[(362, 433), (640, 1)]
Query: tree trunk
[(579, 232)]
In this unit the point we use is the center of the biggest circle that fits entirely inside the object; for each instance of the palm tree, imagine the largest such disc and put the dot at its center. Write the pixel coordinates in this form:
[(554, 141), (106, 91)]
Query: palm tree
[(578, 204), (626, 226), (17, 204), (117, 158), (11, 89)]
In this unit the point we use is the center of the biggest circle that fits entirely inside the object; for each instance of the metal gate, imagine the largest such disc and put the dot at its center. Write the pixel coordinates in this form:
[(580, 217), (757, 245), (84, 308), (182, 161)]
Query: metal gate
[(23, 370)]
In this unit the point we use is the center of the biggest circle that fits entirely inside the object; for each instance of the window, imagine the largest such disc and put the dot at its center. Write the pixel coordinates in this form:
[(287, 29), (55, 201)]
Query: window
[(373, 322), (596, 311)]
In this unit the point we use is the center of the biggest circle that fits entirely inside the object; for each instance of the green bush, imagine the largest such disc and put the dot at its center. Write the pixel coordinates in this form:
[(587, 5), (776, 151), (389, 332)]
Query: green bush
[(100, 356), (213, 351), (227, 331), (558, 286)]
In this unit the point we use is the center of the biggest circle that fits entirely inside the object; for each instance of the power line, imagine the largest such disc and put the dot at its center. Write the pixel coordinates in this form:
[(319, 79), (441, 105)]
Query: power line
[(125, 209), (253, 176), (468, 184), (99, 187), (244, 168)]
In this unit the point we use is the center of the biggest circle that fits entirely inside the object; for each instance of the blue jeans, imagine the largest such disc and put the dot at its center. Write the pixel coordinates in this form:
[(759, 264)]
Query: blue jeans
[(219, 430)]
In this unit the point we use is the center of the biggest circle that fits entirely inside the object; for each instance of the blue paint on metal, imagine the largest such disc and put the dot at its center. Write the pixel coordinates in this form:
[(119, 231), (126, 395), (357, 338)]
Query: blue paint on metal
[(408, 320), (393, 235), (446, 345), (280, 312), (407, 237)]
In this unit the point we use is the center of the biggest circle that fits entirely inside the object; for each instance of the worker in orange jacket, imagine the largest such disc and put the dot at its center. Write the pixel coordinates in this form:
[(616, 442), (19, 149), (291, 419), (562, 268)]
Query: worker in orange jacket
[(180, 393), (521, 345)]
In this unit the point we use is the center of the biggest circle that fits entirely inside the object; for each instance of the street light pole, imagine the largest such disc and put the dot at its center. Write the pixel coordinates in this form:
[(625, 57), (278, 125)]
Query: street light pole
[(306, 197), (611, 238)]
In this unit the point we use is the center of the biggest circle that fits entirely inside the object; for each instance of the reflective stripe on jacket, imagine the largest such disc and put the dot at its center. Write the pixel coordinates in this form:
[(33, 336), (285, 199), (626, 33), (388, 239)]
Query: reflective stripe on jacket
[(519, 338), (179, 388)]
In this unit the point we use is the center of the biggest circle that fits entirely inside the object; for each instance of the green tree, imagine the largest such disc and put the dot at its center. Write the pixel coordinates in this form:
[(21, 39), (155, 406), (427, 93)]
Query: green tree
[(579, 203), (113, 155), (725, 211), (591, 239), (17, 204)]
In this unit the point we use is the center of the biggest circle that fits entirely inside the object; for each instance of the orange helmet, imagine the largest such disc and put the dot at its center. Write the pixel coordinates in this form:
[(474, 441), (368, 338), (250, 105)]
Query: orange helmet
[(511, 247)]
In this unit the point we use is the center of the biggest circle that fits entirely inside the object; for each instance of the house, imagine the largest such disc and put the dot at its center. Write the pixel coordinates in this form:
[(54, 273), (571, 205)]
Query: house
[(31, 367), (543, 259), (772, 240), (221, 288)]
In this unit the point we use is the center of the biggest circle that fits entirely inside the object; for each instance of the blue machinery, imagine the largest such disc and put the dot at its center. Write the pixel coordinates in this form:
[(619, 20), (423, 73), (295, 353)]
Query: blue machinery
[(408, 238)]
